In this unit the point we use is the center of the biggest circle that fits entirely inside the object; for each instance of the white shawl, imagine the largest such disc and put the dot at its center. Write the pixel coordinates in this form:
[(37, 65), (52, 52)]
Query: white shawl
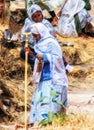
[(66, 24), (49, 46)]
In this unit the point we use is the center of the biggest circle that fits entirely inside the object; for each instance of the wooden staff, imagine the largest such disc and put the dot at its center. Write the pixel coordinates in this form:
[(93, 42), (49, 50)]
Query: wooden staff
[(26, 63)]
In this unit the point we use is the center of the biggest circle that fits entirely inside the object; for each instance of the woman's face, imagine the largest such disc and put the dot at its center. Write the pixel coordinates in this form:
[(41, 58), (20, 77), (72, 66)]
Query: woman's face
[(37, 17), (37, 37)]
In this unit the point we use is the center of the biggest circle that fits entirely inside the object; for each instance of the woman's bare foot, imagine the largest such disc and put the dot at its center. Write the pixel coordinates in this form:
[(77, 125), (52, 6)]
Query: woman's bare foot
[(63, 111)]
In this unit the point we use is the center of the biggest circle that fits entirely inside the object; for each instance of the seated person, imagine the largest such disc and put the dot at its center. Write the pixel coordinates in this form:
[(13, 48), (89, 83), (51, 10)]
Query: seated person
[(75, 20)]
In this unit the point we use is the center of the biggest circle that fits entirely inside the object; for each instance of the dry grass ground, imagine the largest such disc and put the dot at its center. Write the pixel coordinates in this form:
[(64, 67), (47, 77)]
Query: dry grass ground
[(80, 56)]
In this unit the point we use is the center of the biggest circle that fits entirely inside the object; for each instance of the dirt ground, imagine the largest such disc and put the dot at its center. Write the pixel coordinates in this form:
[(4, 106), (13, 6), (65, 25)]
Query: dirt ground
[(81, 83)]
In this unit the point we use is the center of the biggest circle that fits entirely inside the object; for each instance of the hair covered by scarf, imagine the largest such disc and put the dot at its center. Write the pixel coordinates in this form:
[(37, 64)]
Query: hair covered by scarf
[(49, 46), (33, 8), (39, 28)]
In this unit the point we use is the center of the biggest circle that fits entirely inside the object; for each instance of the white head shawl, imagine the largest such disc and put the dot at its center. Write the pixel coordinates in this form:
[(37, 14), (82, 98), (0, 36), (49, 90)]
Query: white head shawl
[(49, 46), (33, 8), (39, 28)]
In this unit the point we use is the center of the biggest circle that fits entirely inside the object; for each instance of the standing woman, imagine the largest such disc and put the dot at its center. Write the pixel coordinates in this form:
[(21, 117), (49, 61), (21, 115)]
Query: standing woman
[(49, 75)]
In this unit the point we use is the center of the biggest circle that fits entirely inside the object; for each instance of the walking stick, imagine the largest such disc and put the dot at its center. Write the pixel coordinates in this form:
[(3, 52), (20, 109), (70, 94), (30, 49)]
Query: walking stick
[(26, 62)]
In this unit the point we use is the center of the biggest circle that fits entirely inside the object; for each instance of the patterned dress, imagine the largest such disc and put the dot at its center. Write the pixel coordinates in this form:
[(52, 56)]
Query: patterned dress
[(50, 94)]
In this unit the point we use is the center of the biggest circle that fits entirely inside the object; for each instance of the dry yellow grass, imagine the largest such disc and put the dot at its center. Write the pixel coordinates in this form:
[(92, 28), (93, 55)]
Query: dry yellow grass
[(73, 122), (81, 55)]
